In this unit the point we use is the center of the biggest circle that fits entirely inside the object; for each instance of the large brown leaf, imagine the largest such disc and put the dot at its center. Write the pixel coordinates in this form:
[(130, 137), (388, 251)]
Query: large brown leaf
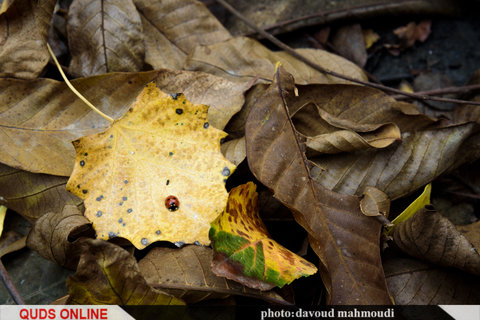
[(23, 33), (104, 36), (244, 59), (32, 194), (430, 236), (427, 148), (40, 118), (185, 273), (414, 282), (173, 28), (108, 274), (346, 241), (50, 235)]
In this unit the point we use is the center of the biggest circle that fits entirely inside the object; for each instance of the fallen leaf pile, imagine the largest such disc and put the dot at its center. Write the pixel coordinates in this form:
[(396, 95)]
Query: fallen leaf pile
[(160, 206)]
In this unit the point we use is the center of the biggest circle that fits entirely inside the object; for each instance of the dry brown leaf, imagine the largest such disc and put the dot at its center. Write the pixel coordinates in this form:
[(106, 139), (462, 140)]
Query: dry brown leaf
[(346, 241), (472, 233), (32, 194), (186, 274), (427, 149), (53, 235), (107, 274), (374, 202), (430, 236), (413, 32), (173, 28), (44, 116), (412, 282), (229, 59), (163, 148), (350, 44), (235, 150), (11, 241), (104, 36), (23, 34)]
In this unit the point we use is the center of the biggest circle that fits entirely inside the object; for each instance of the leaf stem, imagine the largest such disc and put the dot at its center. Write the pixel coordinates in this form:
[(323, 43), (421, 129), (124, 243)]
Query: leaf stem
[(75, 91), (315, 66), (7, 281)]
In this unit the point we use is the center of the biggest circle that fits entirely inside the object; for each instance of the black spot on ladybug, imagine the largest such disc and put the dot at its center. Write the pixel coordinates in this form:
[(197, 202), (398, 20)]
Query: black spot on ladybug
[(84, 191), (158, 232), (175, 95), (144, 241), (170, 154), (120, 220), (168, 182), (125, 181), (206, 125), (172, 203), (99, 213), (129, 210), (82, 163), (124, 198), (111, 235), (226, 172), (179, 111), (99, 198)]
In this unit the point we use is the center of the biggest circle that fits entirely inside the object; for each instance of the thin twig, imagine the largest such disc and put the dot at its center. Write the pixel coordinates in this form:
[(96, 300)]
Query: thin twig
[(312, 64), (7, 281), (78, 94), (441, 91)]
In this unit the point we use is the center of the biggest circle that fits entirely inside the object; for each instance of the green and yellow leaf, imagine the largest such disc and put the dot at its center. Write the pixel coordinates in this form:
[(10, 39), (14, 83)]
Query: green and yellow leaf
[(245, 252)]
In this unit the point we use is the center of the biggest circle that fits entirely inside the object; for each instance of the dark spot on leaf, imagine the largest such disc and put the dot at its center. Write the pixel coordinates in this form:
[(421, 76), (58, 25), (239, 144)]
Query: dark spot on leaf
[(99, 213), (125, 181), (229, 218), (206, 125), (224, 180), (130, 109), (242, 234), (158, 232), (179, 111), (99, 198), (183, 101), (85, 154), (121, 203), (82, 163), (226, 172), (129, 210), (84, 191), (144, 241), (175, 95), (120, 220), (111, 235), (123, 225), (181, 124), (170, 153), (111, 136), (124, 198), (78, 186), (168, 182), (129, 81)]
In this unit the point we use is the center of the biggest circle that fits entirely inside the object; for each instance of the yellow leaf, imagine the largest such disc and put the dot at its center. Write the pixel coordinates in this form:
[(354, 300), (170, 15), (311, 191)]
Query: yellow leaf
[(416, 205), (241, 238), (3, 211), (156, 174)]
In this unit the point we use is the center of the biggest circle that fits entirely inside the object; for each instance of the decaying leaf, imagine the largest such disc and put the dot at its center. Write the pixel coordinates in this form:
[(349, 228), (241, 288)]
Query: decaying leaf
[(11, 241), (350, 43), (107, 274), (228, 59), (186, 274), (44, 115), (34, 194), (51, 232), (104, 36), (235, 150), (430, 236), (3, 212), (244, 251), (412, 282), (472, 233), (346, 241), (23, 33), (156, 174), (173, 28), (374, 202)]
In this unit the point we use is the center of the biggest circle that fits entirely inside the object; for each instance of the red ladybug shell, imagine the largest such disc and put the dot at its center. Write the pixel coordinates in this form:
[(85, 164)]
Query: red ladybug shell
[(172, 203)]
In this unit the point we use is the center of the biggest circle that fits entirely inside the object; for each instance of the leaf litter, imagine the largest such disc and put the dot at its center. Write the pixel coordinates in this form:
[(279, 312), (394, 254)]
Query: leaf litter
[(348, 139)]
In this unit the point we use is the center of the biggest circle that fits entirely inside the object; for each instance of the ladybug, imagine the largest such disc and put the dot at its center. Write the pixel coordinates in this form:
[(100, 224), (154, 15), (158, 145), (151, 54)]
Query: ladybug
[(172, 203)]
